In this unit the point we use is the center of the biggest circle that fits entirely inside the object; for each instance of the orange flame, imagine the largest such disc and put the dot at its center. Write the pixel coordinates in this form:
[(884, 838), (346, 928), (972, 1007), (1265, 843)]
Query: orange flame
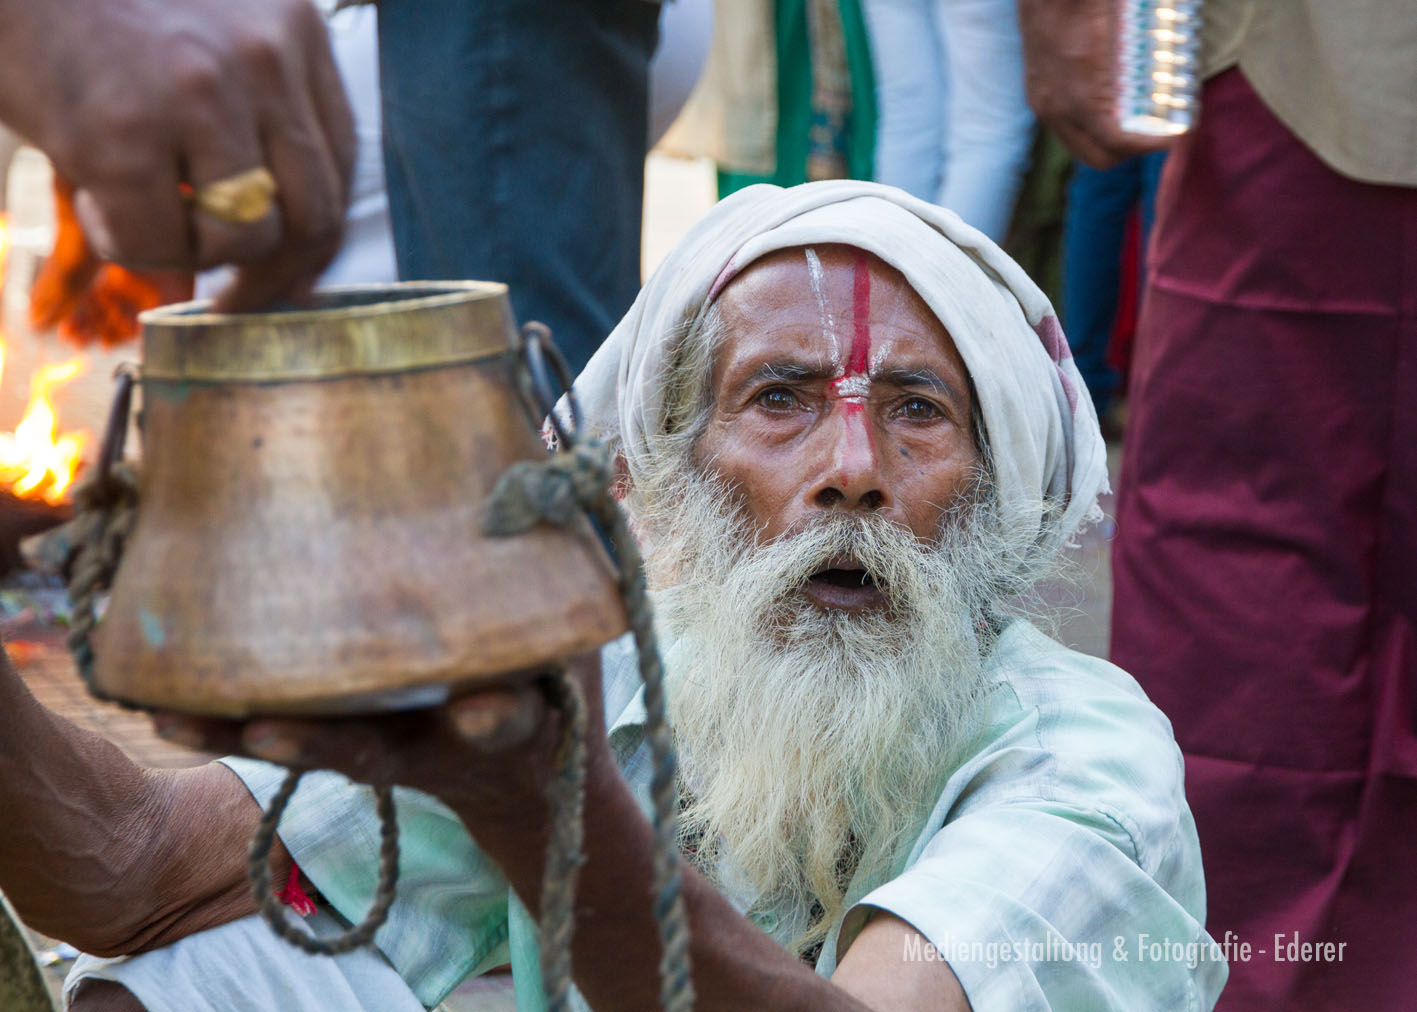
[(36, 462)]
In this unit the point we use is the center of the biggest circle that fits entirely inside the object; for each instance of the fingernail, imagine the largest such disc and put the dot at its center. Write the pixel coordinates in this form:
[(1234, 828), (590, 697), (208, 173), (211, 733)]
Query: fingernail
[(475, 723)]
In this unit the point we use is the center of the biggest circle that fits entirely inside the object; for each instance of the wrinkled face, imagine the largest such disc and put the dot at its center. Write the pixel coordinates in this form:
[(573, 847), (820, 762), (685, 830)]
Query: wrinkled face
[(837, 389)]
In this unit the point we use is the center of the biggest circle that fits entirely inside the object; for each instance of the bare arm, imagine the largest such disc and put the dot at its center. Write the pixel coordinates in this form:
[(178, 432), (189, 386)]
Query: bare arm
[(876, 971), (105, 854), (132, 98)]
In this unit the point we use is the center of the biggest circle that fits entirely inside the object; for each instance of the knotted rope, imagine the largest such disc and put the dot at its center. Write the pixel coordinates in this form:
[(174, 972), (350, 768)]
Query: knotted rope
[(105, 507), (258, 870), (556, 490), (563, 850)]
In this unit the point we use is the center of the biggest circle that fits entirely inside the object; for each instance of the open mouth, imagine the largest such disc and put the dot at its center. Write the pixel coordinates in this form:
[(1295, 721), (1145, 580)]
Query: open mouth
[(844, 577), (844, 583)]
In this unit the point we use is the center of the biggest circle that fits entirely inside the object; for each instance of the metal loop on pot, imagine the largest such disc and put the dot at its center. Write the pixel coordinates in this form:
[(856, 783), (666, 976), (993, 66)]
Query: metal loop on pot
[(540, 359), (115, 433)]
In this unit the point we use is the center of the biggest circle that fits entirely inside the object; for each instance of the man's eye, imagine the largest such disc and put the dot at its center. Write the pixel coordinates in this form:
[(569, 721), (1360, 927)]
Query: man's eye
[(918, 409), (778, 399)]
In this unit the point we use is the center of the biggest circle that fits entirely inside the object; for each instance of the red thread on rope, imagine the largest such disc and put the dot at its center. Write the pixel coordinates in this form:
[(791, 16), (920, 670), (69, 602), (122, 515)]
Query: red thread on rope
[(295, 897)]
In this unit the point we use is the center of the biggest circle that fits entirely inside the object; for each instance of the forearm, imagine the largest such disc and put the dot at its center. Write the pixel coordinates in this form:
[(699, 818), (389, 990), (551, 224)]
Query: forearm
[(616, 946), (103, 853)]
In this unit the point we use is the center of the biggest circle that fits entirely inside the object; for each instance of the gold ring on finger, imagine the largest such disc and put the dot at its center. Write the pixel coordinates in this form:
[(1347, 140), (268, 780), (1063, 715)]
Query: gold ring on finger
[(242, 199)]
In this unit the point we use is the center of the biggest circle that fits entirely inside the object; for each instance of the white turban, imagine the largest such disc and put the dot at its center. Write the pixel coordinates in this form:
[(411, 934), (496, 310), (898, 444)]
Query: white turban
[(1039, 421)]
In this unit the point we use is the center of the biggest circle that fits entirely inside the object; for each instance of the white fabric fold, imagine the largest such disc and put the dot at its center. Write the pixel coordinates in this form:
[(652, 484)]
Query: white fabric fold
[(1038, 419)]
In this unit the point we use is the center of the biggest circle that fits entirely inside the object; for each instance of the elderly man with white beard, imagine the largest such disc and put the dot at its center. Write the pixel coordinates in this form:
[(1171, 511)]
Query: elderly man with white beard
[(851, 436)]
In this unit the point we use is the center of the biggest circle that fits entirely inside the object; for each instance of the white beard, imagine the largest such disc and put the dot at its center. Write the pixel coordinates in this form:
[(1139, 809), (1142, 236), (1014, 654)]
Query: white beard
[(813, 742)]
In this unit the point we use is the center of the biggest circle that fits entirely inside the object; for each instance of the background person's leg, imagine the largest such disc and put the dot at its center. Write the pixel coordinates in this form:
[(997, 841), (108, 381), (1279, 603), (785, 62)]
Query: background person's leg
[(1265, 548), (1094, 228), (1151, 166), (908, 65), (990, 126), (514, 135)]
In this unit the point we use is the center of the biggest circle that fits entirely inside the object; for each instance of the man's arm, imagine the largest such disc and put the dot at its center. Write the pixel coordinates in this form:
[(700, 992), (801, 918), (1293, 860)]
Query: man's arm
[(131, 99), (109, 856), (875, 970)]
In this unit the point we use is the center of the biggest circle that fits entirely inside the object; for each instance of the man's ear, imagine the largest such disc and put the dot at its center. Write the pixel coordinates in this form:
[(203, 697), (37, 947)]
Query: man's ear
[(622, 483)]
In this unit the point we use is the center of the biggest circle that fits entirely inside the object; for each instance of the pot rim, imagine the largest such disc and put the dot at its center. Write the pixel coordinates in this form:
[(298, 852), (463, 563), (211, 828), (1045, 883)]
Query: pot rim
[(439, 293), (391, 328)]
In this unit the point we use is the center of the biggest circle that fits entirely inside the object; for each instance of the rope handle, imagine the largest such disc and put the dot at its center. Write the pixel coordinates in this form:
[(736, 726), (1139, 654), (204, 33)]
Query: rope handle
[(575, 480), (115, 430), (258, 869), (105, 505)]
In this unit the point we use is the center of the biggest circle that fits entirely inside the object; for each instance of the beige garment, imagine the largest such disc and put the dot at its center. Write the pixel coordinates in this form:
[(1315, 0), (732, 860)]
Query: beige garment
[(731, 117), (1340, 74)]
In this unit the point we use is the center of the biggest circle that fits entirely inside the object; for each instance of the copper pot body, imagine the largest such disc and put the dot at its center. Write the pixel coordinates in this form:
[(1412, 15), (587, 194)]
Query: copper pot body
[(307, 536)]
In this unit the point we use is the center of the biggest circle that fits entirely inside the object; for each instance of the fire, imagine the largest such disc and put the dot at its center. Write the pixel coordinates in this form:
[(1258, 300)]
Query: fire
[(36, 462)]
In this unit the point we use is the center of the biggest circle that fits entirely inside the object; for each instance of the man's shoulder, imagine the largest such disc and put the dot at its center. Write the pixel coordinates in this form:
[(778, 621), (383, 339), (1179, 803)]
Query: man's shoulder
[(1044, 695), (1064, 700), (1075, 734), (1037, 670)]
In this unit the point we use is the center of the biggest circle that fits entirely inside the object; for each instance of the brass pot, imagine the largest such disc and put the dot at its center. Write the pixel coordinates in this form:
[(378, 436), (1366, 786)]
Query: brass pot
[(307, 535)]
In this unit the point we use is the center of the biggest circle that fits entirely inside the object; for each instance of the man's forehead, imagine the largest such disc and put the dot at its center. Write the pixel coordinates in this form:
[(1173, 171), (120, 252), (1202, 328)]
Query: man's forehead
[(804, 268), (854, 302)]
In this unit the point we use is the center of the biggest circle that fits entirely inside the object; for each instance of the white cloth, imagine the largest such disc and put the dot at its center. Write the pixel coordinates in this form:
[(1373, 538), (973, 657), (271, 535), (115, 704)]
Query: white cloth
[(243, 967), (1039, 422)]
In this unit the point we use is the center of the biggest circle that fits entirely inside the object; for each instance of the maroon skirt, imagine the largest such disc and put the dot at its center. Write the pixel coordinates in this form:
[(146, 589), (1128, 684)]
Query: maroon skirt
[(1266, 555)]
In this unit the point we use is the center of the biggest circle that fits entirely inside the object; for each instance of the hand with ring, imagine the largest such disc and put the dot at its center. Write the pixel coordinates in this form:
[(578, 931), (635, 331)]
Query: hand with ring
[(242, 199), (198, 134)]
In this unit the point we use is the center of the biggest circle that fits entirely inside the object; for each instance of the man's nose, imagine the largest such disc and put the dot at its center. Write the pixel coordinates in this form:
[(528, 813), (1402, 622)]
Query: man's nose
[(852, 476)]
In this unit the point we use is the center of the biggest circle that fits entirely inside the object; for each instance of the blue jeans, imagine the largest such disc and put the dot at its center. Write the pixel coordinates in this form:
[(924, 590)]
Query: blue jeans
[(1094, 230), (514, 144)]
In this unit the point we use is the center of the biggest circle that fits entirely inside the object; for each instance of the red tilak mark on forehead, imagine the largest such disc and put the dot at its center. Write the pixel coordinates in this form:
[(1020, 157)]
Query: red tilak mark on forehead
[(853, 382), (861, 316), (857, 453)]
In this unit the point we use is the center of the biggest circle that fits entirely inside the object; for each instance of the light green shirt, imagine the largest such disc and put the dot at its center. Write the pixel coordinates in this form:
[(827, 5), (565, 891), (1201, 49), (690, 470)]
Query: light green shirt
[(1058, 868)]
